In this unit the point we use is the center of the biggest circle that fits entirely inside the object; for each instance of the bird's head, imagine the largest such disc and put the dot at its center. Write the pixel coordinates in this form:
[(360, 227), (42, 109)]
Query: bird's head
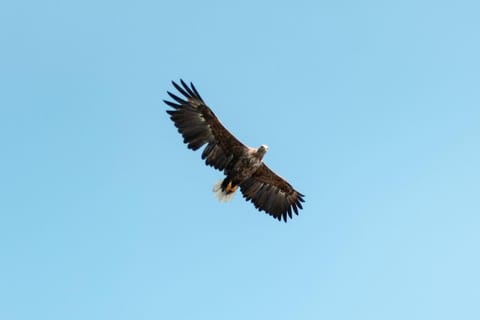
[(262, 150)]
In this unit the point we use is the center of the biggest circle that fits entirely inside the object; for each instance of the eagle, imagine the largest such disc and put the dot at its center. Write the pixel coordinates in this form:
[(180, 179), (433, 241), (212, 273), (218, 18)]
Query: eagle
[(243, 166)]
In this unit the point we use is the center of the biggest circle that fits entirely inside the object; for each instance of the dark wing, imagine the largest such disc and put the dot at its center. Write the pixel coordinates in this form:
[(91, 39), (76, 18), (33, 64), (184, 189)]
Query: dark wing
[(272, 194), (198, 125)]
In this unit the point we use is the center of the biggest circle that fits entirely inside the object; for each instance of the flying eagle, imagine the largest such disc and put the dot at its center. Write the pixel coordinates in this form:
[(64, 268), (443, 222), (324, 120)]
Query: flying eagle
[(242, 165)]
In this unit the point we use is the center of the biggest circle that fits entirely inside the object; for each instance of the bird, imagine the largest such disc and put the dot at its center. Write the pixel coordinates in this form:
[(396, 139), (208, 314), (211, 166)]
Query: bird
[(242, 165)]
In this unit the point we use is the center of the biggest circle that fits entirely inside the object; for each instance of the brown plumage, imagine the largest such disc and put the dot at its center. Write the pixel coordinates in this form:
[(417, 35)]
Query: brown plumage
[(242, 165)]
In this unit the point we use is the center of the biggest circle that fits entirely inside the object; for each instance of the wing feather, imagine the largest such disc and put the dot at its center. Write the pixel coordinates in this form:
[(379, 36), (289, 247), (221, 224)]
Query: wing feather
[(190, 91), (198, 125), (271, 193), (195, 91), (176, 98)]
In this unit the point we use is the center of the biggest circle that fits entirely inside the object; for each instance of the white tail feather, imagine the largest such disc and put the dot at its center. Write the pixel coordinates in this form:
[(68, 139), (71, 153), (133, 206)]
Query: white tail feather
[(222, 196)]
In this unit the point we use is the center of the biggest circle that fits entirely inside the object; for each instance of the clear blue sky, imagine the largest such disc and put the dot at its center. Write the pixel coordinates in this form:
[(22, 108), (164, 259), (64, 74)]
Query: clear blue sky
[(370, 108)]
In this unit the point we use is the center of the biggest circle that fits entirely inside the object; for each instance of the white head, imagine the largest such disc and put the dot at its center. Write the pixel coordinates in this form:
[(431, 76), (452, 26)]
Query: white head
[(262, 150)]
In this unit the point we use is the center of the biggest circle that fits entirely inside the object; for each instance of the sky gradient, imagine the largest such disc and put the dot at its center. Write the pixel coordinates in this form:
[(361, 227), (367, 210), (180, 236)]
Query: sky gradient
[(371, 109)]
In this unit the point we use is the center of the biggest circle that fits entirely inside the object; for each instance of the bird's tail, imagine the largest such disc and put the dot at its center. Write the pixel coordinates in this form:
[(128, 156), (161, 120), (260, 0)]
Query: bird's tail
[(224, 190)]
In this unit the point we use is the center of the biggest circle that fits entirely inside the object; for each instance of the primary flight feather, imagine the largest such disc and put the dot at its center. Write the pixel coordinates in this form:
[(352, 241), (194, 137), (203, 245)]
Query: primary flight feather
[(243, 166)]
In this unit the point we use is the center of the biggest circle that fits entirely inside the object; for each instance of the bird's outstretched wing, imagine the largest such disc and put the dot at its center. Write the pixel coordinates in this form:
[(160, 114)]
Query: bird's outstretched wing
[(271, 193), (198, 125)]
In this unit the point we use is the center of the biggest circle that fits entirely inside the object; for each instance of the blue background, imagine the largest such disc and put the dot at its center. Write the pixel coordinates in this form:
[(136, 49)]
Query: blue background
[(370, 108)]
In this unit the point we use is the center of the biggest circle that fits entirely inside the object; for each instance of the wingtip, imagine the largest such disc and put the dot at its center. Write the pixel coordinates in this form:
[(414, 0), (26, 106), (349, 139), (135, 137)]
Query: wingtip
[(195, 91), (183, 83), (171, 104)]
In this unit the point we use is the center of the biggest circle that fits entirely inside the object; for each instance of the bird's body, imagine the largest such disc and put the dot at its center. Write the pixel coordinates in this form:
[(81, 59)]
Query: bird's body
[(238, 171), (243, 166)]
